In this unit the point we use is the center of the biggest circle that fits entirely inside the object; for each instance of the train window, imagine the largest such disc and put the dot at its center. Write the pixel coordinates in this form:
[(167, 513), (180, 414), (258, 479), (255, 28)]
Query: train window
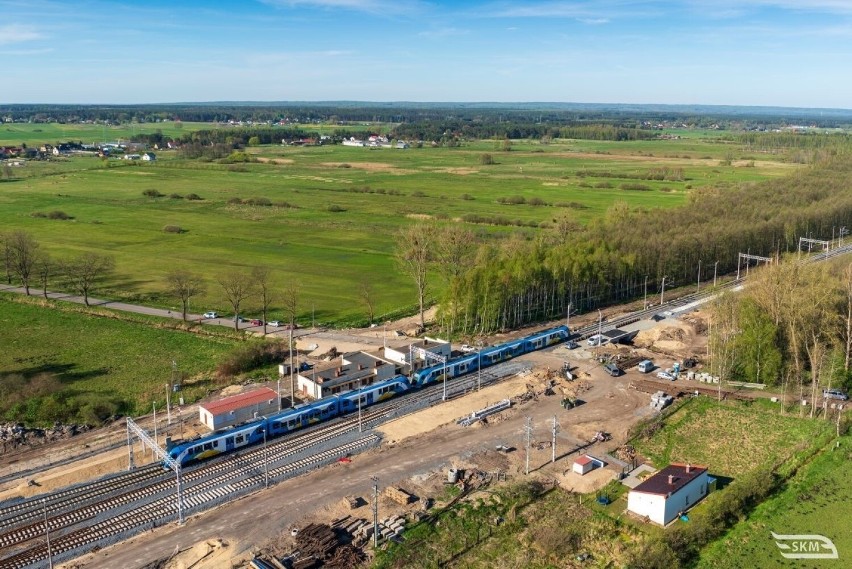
[(208, 446), (239, 439)]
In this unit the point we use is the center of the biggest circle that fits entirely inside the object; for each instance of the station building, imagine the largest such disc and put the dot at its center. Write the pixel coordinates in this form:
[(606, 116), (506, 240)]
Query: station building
[(351, 371), (238, 409), (403, 354)]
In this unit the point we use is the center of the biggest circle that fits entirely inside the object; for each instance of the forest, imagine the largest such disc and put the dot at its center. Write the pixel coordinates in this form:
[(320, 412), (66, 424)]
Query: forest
[(504, 283)]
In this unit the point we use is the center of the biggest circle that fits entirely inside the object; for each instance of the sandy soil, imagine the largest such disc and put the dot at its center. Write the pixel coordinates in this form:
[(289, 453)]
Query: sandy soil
[(282, 161)]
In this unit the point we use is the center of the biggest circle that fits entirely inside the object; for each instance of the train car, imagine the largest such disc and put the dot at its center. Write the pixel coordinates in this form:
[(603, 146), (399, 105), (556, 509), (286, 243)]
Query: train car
[(302, 416), (218, 442), (372, 394), (545, 338), (502, 352)]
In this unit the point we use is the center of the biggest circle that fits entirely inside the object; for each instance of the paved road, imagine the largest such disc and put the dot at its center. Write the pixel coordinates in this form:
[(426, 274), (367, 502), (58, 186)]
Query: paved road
[(147, 310)]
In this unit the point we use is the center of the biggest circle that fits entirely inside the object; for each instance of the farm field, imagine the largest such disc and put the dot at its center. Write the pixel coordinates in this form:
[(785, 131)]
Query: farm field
[(815, 501), (331, 212), (100, 361)]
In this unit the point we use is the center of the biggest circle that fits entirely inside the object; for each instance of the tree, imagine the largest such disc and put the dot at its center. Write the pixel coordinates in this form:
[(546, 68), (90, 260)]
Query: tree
[(367, 296), (87, 270), (23, 250), (414, 254), (291, 302), (260, 275), (236, 285), (184, 285), (45, 269), (7, 257), (756, 346)]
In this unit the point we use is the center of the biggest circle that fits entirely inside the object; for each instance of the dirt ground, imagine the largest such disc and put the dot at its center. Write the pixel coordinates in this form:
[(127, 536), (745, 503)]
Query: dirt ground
[(417, 452)]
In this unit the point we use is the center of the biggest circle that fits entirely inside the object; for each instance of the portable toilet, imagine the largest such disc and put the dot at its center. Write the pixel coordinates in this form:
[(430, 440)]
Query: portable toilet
[(645, 366)]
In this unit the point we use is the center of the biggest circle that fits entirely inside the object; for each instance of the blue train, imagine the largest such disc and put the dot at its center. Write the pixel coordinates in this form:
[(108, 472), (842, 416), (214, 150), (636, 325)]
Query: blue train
[(290, 420)]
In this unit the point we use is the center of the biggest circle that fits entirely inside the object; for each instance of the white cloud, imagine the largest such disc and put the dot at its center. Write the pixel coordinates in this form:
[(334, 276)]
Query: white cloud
[(593, 21), (17, 33)]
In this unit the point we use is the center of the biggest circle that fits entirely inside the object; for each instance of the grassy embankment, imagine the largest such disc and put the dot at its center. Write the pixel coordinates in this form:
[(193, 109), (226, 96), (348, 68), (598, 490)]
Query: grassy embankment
[(549, 530), (335, 209), (64, 362)]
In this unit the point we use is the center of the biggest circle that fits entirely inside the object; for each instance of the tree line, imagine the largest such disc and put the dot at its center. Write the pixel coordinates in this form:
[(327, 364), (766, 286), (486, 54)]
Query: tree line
[(790, 327), (503, 283)]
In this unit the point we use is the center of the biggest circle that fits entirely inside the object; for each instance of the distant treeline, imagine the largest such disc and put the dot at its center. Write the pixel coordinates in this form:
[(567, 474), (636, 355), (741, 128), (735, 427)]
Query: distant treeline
[(479, 130), (553, 114)]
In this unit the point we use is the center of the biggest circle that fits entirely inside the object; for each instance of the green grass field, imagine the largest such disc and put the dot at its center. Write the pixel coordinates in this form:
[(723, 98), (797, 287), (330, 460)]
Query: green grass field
[(348, 204), (815, 501), (106, 357), (730, 438)]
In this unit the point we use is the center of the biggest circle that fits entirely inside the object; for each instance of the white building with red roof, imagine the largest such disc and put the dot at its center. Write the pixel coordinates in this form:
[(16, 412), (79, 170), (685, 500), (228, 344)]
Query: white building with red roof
[(239, 408), (670, 492)]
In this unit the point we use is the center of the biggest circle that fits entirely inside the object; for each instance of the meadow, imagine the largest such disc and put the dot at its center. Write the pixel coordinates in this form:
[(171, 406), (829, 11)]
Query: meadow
[(105, 362), (815, 501), (325, 216)]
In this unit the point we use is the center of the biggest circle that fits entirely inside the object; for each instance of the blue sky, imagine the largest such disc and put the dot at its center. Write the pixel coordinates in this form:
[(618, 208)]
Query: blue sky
[(747, 52)]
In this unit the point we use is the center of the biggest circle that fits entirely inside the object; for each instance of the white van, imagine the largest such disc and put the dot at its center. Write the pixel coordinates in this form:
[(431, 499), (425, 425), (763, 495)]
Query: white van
[(645, 366)]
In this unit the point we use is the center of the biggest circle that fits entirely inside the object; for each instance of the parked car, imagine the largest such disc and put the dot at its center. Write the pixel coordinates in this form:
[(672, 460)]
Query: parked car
[(665, 375), (211, 314), (256, 322), (572, 345), (274, 323), (597, 340), (612, 369), (466, 348), (834, 394)]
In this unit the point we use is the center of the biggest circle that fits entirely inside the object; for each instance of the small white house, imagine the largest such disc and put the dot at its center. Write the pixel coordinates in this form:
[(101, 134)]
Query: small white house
[(149, 157), (668, 493), (238, 409), (584, 464)]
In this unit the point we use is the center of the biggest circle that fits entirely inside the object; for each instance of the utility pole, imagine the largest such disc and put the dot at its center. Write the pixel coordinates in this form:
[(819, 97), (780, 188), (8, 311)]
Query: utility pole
[(698, 286), (47, 533), (553, 432), (359, 405), (155, 424), (265, 458), (168, 406), (528, 428), (292, 382), (479, 365), (568, 318), (715, 265), (645, 302), (375, 480)]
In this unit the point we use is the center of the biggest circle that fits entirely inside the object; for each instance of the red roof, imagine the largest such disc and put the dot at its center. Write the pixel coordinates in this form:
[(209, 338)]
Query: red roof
[(241, 401), (671, 479), (583, 460)]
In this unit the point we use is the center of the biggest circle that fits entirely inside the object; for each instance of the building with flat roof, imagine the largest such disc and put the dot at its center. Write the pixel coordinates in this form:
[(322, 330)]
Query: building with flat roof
[(665, 495), (238, 409), (350, 371), (403, 354)]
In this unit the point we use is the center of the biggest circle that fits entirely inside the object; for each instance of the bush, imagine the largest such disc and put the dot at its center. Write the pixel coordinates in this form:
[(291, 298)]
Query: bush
[(334, 208), (486, 160), (249, 356), (193, 197), (344, 165), (467, 197), (635, 187), (58, 214), (175, 196), (173, 229), (263, 202), (235, 201), (418, 194), (512, 200), (152, 194)]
